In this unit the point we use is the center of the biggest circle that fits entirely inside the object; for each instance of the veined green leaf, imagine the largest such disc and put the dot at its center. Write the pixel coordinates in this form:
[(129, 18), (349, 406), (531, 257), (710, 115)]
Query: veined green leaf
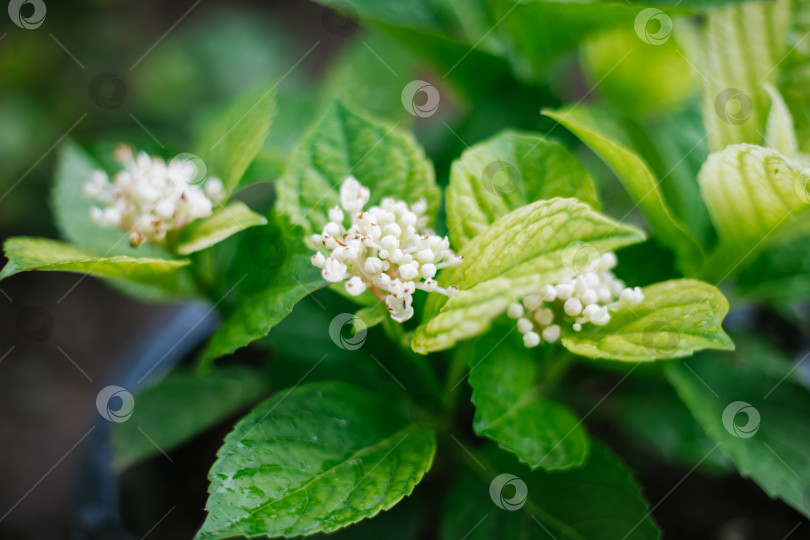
[(506, 172), (26, 253), (234, 139), (313, 459), (758, 418), (511, 410), (518, 254), (599, 501), (750, 192), (277, 272), (744, 46), (224, 223), (637, 179), (384, 159), (181, 406), (675, 319)]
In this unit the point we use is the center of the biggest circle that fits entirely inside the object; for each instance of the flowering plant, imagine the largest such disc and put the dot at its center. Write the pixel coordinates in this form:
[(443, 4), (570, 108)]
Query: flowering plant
[(381, 297)]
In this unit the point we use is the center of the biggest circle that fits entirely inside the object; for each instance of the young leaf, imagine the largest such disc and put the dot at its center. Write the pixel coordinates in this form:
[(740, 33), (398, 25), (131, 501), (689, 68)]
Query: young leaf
[(600, 501), (751, 191), (675, 319), (744, 46), (279, 272), (637, 179), (224, 223), (506, 172), (517, 255), (758, 418), (181, 406), (511, 410), (234, 139), (386, 160), (313, 459), (779, 132), (26, 253)]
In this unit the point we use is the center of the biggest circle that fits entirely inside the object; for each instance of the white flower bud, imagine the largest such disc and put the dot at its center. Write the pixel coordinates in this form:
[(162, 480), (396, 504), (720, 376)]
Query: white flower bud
[(564, 291), (524, 325), (531, 339), (318, 260), (425, 256), (589, 297), (428, 270), (332, 229), (544, 316), (631, 297), (548, 293), (355, 286), (392, 229), (373, 265), (396, 256), (408, 271), (336, 214), (572, 307), (514, 311), (390, 242), (551, 333)]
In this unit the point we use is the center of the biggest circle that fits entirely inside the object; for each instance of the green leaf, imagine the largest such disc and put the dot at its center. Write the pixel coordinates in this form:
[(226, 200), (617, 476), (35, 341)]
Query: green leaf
[(779, 132), (233, 140), (506, 172), (675, 319), (314, 459), (370, 316), (384, 159), (768, 437), (510, 407), (600, 501), (26, 253), (224, 223), (518, 254), (637, 178), (273, 272), (743, 48), (72, 210), (180, 407), (750, 192), (614, 59), (650, 414)]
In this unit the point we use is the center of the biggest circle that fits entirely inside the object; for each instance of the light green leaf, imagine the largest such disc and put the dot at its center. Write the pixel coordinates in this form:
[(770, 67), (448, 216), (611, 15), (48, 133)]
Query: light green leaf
[(675, 319), (234, 139), (779, 132), (743, 48), (72, 209), (383, 158), (600, 501), (750, 192), (518, 254), (314, 459), (180, 407), (276, 273), (370, 316), (506, 172), (758, 418), (511, 409), (26, 253), (637, 178), (225, 222)]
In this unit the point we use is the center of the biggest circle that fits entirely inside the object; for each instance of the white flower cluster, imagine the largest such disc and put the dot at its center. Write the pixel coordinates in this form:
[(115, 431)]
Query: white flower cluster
[(150, 197), (586, 297), (385, 249)]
